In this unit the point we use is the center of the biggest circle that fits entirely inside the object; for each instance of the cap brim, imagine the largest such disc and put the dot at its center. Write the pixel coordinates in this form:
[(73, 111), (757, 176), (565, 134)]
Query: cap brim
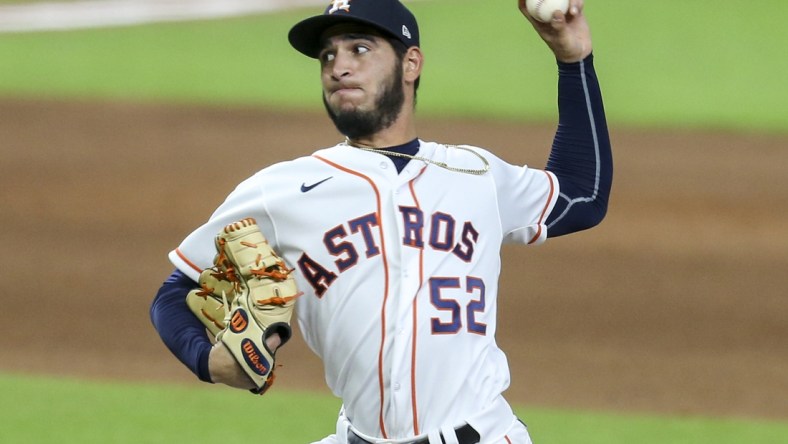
[(305, 35)]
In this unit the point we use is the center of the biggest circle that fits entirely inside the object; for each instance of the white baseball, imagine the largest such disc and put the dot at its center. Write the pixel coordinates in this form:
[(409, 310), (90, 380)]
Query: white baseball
[(542, 10)]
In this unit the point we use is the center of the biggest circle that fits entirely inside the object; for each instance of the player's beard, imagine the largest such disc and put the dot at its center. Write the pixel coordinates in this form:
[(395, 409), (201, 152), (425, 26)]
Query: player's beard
[(388, 105)]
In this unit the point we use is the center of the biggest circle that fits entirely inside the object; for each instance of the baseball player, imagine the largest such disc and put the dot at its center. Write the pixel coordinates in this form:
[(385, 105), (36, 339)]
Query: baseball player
[(387, 245)]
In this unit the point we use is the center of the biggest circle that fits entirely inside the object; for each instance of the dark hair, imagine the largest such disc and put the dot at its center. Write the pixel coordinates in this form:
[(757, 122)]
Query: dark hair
[(401, 50)]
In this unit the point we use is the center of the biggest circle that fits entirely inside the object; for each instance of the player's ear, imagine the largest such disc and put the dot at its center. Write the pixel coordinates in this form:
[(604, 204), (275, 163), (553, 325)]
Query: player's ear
[(412, 64)]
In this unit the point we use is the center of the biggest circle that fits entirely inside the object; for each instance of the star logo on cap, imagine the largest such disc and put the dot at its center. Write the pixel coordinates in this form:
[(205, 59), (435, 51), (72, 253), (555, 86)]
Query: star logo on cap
[(336, 5)]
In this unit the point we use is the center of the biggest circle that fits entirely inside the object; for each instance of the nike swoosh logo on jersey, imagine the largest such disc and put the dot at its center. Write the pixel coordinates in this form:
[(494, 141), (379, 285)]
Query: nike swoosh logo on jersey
[(305, 187)]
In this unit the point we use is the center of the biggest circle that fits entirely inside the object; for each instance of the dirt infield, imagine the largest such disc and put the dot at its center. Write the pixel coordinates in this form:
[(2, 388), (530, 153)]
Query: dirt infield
[(676, 303)]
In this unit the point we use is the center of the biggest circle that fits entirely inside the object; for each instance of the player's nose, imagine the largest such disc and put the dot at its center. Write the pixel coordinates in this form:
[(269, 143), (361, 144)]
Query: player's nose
[(341, 66)]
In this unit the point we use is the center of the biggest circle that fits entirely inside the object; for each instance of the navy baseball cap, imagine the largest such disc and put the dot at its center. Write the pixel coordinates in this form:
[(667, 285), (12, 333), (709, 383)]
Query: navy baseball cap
[(388, 16)]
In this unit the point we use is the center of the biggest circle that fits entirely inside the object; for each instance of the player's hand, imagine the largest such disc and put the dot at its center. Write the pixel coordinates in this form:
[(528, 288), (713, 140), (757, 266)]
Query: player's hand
[(568, 36), (224, 368)]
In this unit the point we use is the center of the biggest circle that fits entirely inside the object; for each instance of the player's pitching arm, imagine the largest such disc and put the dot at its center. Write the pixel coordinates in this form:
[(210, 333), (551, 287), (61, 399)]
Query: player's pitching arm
[(581, 156)]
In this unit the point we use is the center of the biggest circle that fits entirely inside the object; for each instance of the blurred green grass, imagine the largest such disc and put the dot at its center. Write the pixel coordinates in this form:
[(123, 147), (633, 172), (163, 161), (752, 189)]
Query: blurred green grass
[(661, 64), (66, 411)]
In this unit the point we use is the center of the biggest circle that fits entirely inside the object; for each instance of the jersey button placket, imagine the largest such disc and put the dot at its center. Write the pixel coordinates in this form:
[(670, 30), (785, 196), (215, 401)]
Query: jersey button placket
[(402, 305)]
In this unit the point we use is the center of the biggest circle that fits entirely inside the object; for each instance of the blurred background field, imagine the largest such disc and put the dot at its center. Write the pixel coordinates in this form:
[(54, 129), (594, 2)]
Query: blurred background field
[(670, 63), (672, 323)]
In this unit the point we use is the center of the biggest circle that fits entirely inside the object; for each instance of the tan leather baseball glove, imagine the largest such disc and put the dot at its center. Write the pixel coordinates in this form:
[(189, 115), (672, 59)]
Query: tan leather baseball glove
[(248, 295)]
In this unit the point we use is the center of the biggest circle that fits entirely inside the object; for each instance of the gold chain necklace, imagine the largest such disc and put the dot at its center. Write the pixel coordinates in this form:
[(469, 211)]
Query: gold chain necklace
[(478, 172)]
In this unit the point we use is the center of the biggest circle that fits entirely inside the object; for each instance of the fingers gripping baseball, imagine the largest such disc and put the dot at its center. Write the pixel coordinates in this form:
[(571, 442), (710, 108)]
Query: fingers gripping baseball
[(566, 34)]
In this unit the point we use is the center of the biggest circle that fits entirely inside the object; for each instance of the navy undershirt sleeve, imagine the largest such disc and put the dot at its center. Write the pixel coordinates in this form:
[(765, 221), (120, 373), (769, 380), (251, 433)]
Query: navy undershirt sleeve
[(182, 333), (581, 156)]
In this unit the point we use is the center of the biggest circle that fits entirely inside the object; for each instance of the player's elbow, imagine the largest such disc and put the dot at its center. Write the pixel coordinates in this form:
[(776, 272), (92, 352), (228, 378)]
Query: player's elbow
[(591, 220), (578, 217), (592, 213), (597, 213)]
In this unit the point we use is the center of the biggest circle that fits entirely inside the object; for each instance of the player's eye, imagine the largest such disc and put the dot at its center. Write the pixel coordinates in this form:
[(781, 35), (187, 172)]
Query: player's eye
[(361, 49), (327, 57)]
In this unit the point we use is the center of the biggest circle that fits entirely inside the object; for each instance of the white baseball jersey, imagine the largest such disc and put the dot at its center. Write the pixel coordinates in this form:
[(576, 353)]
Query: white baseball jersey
[(400, 274)]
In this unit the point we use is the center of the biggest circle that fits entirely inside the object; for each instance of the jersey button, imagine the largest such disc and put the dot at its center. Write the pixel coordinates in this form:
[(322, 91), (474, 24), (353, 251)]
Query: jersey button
[(384, 165), (396, 387)]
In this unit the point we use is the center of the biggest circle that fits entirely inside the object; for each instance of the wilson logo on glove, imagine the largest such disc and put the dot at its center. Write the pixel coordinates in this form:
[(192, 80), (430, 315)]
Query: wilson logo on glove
[(254, 357), (239, 321)]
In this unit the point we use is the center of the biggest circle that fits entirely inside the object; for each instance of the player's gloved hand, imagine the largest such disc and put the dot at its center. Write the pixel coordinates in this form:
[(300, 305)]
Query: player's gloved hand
[(246, 300)]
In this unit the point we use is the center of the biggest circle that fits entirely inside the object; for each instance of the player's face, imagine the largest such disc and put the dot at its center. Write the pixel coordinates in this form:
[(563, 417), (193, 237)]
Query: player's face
[(362, 81)]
